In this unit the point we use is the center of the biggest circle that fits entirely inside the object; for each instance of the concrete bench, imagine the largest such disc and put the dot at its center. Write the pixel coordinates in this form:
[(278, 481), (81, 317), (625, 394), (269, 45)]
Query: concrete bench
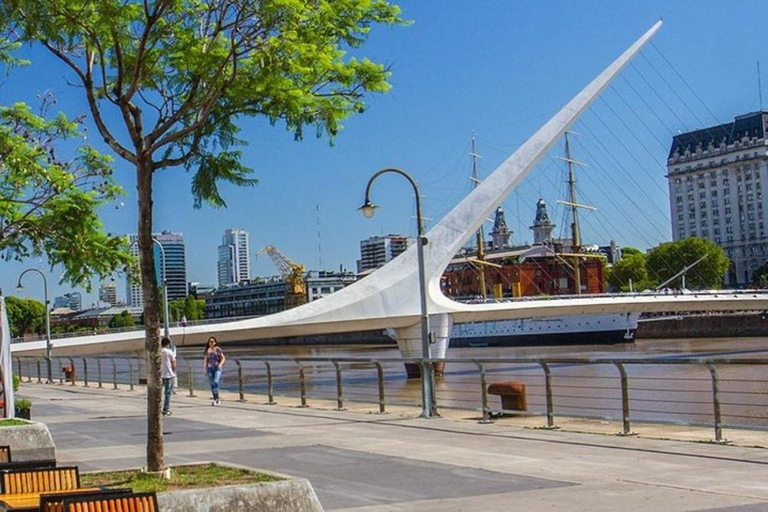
[(512, 393)]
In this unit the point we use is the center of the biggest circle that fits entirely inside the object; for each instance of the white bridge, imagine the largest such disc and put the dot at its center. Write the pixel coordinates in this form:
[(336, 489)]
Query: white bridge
[(389, 297)]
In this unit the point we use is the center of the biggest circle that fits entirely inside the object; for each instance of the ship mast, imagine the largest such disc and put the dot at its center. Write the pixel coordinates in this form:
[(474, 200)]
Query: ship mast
[(479, 237), (575, 233)]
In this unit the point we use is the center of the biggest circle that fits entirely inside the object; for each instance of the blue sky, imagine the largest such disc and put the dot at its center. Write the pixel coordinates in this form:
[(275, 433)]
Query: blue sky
[(500, 68)]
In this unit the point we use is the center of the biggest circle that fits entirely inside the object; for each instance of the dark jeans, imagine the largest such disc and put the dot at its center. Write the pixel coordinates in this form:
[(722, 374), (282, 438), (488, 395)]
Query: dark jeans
[(214, 376), (167, 390)]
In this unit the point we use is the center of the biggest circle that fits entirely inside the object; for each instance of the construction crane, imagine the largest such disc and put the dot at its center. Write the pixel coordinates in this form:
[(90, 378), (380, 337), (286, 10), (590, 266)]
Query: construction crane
[(292, 273)]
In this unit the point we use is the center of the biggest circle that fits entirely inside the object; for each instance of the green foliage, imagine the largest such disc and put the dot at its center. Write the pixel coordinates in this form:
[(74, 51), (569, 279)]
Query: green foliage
[(25, 316), (760, 276), (16, 383), (189, 308), (669, 258), (13, 423), (627, 251), (48, 204), (632, 268), (22, 404), (124, 319)]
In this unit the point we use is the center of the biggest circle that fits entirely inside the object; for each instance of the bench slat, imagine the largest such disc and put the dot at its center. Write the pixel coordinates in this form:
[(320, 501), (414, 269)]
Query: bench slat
[(138, 502), (19, 481)]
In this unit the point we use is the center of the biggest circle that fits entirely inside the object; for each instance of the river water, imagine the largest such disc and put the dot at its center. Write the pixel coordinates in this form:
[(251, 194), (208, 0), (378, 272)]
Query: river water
[(675, 393)]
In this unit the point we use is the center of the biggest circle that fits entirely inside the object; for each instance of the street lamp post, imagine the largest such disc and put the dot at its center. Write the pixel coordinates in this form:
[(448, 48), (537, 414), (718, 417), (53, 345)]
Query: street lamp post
[(368, 209), (47, 318)]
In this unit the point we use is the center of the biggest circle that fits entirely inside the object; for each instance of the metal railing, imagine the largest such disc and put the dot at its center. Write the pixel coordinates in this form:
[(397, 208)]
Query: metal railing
[(721, 393)]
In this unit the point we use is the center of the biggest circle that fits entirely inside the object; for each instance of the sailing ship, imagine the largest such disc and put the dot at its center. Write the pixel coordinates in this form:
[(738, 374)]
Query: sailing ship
[(581, 329)]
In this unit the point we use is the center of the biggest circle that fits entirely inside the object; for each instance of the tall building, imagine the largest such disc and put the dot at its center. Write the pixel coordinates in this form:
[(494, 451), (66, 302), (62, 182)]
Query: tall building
[(175, 267), (234, 264), (108, 293), (716, 180), (542, 226), (378, 250)]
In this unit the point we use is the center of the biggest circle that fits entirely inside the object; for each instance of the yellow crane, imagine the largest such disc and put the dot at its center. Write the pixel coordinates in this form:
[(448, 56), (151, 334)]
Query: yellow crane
[(293, 274)]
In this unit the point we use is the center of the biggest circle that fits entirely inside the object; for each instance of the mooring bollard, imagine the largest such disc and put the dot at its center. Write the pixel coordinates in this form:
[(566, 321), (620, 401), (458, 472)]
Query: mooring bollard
[(270, 388)]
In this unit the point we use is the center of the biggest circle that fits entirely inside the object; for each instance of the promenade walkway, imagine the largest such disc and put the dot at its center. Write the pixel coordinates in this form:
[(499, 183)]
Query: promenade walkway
[(368, 462)]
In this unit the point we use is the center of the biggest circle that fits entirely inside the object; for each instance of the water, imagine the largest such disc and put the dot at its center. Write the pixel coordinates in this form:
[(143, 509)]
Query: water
[(676, 393)]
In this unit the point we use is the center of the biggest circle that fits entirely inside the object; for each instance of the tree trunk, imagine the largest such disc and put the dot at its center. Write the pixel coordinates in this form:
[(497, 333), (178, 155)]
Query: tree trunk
[(155, 449)]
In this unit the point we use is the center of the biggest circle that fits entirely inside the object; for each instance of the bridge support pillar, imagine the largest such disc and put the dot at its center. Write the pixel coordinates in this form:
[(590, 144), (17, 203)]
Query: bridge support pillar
[(409, 343)]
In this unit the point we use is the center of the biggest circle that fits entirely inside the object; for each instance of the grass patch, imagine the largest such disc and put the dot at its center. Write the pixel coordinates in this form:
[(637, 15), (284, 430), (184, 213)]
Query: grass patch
[(182, 477), (13, 423)]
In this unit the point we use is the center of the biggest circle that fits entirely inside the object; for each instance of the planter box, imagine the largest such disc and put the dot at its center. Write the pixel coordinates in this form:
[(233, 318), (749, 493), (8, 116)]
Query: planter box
[(28, 442)]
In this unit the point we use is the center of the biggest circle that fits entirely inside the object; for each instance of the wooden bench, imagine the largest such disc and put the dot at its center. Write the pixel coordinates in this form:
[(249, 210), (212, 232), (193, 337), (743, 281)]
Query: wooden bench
[(5, 454), (39, 480), (55, 502), (31, 501), (512, 395), (28, 464), (138, 502)]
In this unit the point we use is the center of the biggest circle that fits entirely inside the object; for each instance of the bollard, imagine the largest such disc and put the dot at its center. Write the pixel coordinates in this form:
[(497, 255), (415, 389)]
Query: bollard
[(270, 388), (380, 375), (548, 392), (484, 393), (131, 375), (191, 379), (626, 431), (302, 384), (339, 389), (716, 403), (72, 376), (114, 373), (85, 373), (240, 380), (98, 370)]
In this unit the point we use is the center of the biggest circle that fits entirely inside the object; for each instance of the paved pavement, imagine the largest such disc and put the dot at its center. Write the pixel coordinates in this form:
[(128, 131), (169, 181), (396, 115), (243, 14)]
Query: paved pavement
[(369, 462)]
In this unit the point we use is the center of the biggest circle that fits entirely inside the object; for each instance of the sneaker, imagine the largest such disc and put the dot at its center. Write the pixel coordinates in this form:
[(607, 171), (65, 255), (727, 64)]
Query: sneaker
[(167, 413), (217, 402)]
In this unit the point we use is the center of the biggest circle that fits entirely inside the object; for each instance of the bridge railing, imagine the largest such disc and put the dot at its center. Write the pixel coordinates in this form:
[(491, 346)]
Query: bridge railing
[(716, 392)]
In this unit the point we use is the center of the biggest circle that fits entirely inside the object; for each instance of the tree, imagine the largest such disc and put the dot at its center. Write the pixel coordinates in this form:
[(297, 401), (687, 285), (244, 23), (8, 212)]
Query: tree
[(48, 204), (669, 258), (124, 319), (189, 308), (179, 74), (631, 268), (25, 315), (760, 276)]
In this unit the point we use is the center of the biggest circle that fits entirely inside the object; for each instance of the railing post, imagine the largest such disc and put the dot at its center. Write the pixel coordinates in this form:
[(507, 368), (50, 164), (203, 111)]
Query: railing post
[(380, 376), (74, 374), (339, 389), (131, 375), (39, 373), (191, 380), (85, 372), (29, 370), (626, 431), (302, 384), (716, 403), (49, 362), (18, 365), (484, 393), (548, 393), (98, 371), (270, 388), (114, 373), (240, 380), (61, 373)]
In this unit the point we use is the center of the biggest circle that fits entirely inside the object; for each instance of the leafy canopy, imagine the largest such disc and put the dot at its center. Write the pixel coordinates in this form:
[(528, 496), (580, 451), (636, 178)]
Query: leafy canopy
[(179, 73), (669, 258), (48, 204)]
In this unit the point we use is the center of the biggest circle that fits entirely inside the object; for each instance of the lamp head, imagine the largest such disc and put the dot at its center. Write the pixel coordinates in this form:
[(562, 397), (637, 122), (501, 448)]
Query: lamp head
[(19, 287), (368, 209)]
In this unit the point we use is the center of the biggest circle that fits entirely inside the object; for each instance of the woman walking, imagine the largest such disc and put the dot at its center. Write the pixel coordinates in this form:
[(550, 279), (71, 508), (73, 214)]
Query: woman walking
[(212, 364)]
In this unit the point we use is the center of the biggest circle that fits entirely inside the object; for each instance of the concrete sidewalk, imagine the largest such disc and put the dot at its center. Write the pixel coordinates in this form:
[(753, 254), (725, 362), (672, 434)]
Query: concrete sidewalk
[(370, 462)]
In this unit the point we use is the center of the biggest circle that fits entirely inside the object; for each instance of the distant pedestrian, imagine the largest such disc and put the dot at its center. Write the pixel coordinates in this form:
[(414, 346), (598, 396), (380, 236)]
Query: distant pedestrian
[(168, 372), (212, 364), (176, 374)]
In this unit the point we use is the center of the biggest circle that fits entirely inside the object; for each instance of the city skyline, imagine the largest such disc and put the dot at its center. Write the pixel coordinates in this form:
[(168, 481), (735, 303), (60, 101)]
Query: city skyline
[(510, 67)]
